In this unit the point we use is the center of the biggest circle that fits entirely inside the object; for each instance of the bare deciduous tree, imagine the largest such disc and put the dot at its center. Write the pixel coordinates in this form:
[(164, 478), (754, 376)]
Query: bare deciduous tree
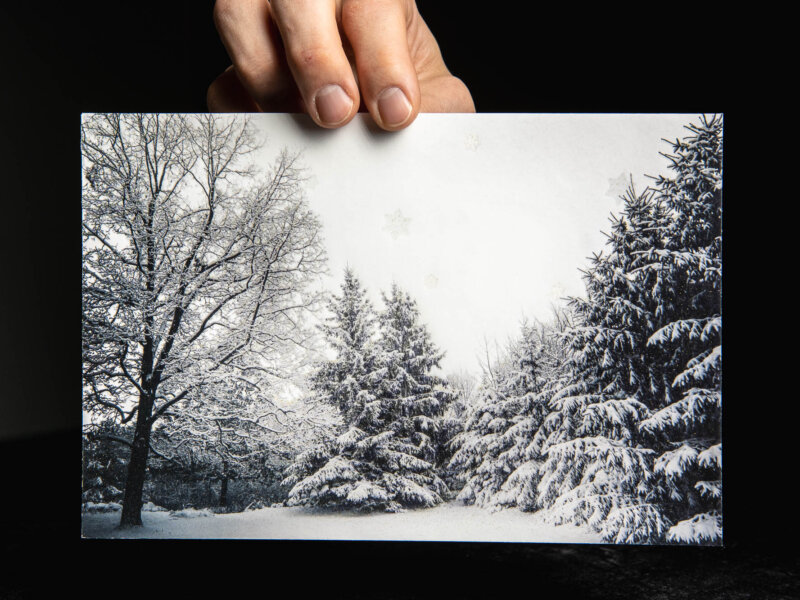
[(235, 430), (196, 270)]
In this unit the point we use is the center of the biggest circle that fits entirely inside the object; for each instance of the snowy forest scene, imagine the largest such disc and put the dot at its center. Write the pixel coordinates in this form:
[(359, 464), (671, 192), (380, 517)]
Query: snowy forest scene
[(491, 327)]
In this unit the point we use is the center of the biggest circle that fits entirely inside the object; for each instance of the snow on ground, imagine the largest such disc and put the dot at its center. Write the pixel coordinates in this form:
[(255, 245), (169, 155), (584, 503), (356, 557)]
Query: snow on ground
[(449, 522)]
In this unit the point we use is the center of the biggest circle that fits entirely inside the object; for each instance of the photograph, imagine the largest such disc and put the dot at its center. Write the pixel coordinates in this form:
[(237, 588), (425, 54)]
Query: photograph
[(482, 328)]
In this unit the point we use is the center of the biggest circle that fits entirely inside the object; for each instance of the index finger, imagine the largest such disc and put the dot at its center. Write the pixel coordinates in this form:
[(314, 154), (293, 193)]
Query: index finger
[(248, 32)]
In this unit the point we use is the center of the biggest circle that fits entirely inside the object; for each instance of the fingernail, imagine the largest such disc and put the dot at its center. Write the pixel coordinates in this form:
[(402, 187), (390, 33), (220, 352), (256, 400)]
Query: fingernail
[(333, 104), (393, 106)]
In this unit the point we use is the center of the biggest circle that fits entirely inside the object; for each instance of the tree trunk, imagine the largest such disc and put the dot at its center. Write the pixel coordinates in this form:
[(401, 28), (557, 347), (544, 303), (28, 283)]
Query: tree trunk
[(137, 467), (149, 380), (223, 491)]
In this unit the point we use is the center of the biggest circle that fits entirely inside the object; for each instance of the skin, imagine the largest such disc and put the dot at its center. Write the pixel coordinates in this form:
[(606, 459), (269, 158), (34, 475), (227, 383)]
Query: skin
[(331, 57)]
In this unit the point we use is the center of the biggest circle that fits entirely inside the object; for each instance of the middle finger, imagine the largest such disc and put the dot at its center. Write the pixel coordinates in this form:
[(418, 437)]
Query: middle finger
[(317, 59)]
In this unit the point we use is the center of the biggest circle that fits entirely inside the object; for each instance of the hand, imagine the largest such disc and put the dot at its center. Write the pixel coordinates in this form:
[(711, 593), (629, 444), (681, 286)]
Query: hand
[(328, 57)]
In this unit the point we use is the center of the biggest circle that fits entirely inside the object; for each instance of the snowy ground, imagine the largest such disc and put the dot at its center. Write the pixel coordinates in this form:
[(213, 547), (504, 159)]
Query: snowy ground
[(449, 522)]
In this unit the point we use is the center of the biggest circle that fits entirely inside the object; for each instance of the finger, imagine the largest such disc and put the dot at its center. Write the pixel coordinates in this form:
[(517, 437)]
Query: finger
[(378, 32), (249, 35), (317, 60)]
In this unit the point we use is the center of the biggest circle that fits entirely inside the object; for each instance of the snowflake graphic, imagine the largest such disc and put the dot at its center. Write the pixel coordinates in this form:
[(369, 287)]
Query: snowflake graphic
[(618, 185), (472, 142), (397, 224), (431, 280), (557, 291)]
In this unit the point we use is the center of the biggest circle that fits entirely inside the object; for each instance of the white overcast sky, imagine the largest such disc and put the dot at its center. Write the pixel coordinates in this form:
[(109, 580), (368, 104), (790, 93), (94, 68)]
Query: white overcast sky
[(483, 218)]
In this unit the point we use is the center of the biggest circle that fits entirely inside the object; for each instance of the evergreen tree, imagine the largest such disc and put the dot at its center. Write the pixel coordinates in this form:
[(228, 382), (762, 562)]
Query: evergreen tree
[(464, 386), (350, 332), (498, 459), (597, 470), (480, 463), (387, 458), (544, 357), (342, 382), (633, 442), (685, 430)]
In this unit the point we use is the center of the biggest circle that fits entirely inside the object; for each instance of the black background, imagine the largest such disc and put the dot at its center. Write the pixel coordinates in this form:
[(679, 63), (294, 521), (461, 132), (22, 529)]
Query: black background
[(63, 59)]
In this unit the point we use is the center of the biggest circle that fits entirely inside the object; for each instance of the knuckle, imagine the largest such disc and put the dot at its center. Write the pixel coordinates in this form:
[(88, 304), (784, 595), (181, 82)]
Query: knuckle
[(254, 72), (311, 58), (360, 9)]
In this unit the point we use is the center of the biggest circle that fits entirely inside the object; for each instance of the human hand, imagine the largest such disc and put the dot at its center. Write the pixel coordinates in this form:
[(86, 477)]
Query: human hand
[(328, 57)]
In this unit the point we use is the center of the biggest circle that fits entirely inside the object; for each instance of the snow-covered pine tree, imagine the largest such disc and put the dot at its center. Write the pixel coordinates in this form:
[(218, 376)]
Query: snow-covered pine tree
[(499, 426), (476, 464), (387, 458), (685, 429), (634, 445), (597, 469), (404, 425), (342, 382), (544, 356), (350, 331), (465, 387)]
